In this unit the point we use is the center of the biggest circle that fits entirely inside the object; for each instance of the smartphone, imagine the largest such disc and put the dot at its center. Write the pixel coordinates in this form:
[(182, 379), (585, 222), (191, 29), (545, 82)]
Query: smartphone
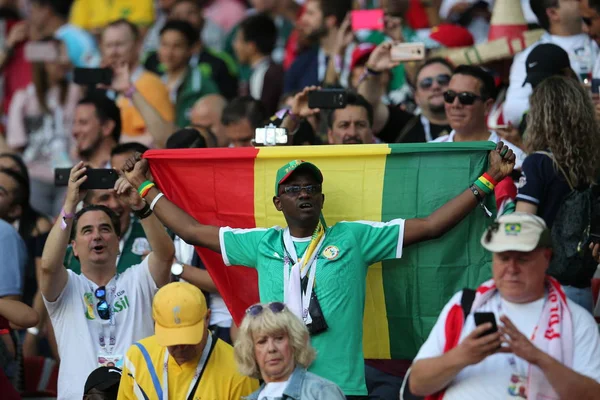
[(92, 76), (41, 52), (408, 52), (328, 98), (367, 19), (482, 318), (100, 178), (270, 135)]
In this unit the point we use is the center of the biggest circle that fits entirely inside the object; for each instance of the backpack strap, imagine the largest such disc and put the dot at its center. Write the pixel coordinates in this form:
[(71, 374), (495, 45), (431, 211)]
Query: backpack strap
[(466, 301), (562, 171)]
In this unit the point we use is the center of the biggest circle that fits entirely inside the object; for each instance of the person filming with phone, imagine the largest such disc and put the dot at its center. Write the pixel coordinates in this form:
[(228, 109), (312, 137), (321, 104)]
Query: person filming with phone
[(97, 315), (531, 342)]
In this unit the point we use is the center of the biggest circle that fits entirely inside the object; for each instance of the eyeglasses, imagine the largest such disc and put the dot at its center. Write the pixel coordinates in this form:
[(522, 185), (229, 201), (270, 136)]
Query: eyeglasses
[(442, 80), (102, 306), (257, 309), (464, 98), (296, 189)]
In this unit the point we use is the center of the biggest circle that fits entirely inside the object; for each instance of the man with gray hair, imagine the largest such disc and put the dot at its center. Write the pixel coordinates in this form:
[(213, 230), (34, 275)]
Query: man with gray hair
[(545, 347)]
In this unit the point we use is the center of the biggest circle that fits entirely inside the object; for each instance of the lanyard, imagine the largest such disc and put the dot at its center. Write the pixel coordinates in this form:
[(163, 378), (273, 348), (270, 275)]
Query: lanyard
[(311, 265), (107, 344), (199, 369)]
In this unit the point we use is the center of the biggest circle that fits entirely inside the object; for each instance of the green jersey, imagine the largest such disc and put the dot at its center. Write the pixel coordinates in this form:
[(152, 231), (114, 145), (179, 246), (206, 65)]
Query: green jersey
[(133, 246), (340, 284)]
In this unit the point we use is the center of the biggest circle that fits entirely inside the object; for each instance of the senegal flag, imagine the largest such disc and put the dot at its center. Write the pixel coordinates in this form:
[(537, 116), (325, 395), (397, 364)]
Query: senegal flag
[(235, 187)]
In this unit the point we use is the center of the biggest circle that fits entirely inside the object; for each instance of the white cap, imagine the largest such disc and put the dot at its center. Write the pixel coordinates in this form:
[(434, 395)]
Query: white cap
[(518, 231)]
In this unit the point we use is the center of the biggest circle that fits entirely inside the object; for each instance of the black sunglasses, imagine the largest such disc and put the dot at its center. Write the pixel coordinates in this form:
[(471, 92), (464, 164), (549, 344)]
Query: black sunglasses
[(102, 306), (442, 80), (465, 98), (257, 309), (296, 189)]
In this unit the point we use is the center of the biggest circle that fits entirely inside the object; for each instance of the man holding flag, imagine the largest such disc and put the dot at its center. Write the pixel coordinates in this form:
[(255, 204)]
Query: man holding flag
[(319, 271)]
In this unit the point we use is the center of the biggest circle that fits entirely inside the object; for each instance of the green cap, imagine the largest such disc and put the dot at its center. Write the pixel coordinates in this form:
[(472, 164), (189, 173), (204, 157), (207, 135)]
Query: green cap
[(288, 169)]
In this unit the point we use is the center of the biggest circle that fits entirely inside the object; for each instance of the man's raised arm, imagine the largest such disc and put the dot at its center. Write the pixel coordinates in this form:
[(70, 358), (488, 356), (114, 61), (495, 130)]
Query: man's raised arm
[(502, 162), (184, 225), (53, 276), (163, 250)]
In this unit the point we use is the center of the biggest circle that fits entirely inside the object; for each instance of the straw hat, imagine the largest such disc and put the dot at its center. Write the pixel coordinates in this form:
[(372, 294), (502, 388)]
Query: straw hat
[(507, 20)]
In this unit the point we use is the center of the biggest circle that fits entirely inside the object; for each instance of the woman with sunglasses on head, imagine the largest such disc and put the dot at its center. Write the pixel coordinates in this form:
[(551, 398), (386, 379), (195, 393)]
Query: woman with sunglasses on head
[(562, 140), (273, 345)]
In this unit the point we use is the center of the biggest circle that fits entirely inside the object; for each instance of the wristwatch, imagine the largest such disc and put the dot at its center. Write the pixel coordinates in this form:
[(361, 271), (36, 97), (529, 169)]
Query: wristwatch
[(176, 271)]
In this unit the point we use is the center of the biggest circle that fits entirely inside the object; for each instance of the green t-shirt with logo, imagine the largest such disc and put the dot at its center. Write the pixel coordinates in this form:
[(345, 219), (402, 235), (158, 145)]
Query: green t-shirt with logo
[(134, 247), (340, 284)]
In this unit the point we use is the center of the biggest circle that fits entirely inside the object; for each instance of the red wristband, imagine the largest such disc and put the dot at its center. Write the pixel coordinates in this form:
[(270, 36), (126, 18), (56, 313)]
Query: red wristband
[(489, 178)]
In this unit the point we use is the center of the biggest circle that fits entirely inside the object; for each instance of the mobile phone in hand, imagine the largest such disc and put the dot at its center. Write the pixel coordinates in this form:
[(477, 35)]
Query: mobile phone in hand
[(407, 52), (371, 20), (483, 317), (328, 98), (100, 178), (41, 52), (92, 76)]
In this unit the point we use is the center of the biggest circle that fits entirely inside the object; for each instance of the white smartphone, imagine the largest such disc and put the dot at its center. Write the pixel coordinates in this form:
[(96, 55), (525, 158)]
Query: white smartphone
[(41, 52), (408, 52), (270, 135)]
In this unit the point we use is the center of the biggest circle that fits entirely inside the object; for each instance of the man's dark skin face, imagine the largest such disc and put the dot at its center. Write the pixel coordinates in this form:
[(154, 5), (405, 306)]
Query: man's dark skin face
[(301, 210)]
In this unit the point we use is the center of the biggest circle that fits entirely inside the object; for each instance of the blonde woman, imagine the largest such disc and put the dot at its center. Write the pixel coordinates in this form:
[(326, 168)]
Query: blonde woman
[(273, 345), (562, 141)]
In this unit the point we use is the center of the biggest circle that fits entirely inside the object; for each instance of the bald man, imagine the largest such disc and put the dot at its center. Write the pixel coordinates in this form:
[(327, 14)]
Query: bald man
[(206, 115)]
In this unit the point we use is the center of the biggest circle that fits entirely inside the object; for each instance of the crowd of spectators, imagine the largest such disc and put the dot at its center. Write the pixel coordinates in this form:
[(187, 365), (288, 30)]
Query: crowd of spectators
[(102, 293)]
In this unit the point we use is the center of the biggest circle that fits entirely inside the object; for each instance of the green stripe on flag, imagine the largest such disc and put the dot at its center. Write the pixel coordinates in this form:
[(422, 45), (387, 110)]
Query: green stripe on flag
[(420, 178)]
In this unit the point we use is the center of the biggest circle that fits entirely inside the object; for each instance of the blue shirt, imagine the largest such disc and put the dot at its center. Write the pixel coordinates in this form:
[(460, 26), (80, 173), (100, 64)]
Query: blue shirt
[(303, 72), (14, 257), (81, 46)]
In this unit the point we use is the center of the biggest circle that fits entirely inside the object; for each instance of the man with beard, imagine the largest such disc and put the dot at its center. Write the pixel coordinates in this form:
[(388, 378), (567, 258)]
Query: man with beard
[(96, 129), (319, 23), (351, 124), (468, 100), (394, 125)]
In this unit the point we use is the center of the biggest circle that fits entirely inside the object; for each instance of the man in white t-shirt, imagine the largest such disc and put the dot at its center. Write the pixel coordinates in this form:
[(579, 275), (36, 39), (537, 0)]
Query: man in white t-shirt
[(97, 315), (562, 21), (468, 101), (545, 346)]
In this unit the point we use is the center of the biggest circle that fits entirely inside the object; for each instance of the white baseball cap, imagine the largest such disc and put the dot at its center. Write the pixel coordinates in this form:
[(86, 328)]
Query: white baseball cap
[(518, 231)]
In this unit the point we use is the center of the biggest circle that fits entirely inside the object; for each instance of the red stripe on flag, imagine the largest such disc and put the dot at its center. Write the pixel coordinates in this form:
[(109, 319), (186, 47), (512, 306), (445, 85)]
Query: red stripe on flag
[(216, 187)]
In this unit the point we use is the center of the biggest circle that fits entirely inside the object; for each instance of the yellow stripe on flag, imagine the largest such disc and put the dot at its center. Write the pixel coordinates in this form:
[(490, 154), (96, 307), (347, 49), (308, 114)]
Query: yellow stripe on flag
[(344, 186)]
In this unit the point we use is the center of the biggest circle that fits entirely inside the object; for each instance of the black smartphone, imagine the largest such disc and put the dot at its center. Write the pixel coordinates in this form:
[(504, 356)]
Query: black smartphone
[(482, 318), (92, 76), (100, 178), (328, 98)]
